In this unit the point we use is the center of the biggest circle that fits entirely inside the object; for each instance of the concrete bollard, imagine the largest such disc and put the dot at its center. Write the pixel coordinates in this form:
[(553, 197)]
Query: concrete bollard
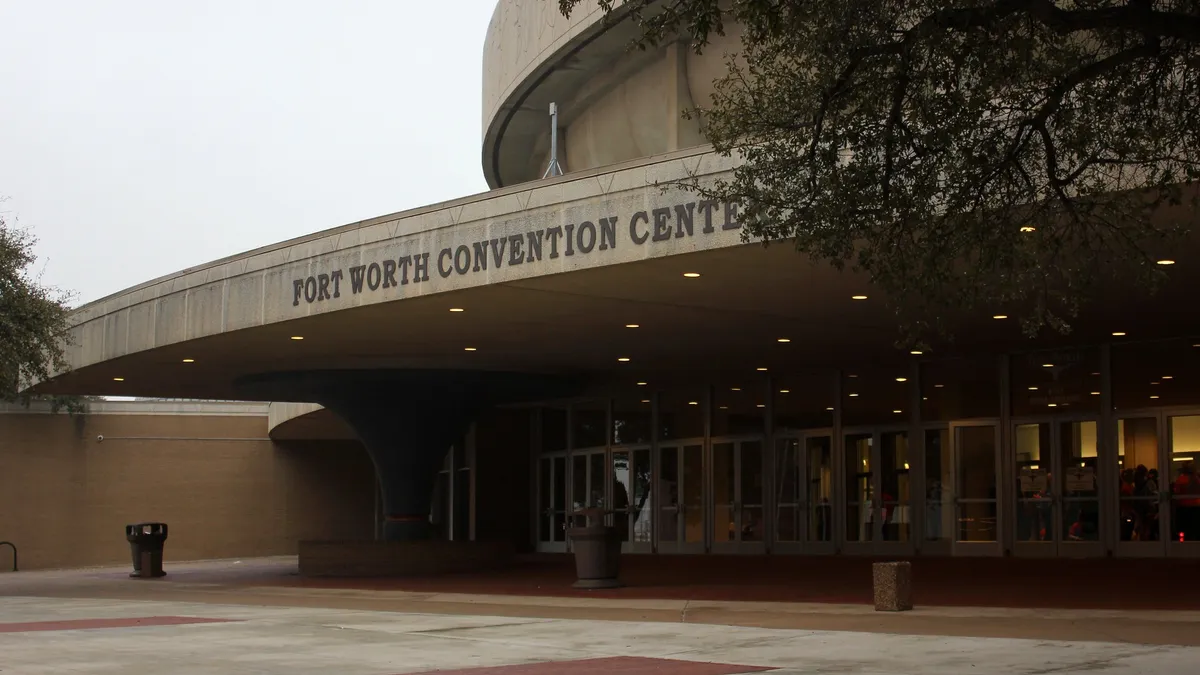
[(893, 586)]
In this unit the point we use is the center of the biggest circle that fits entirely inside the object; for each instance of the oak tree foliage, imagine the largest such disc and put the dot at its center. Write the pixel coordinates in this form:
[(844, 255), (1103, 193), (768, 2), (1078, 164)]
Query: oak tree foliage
[(33, 321), (969, 157)]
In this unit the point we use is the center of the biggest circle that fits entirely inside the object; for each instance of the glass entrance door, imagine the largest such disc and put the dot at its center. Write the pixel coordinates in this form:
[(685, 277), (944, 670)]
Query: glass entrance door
[(803, 499), (1057, 497), (738, 496), (878, 495), (681, 521), (1141, 490), (632, 499), (552, 503), (1183, 514), (974, 493)]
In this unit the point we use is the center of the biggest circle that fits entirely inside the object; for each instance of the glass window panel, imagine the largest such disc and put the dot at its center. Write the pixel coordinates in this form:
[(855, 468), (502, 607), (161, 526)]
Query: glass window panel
[(554, 429), (622, 484), (643, 502), (956, 389), (751, 473), (803, 401), (1185, 483), (739, 407), (596, 476), (632, 420), (939, 486), (545, 493), (876, 397), (1139, 482), (579, 485), (1155, 374), (1060, 381), (693, 493), (819, 450), (589, 421), (894, 476), (681, 414), (858, 487), (668, 480), (560, 499), (724, 495), (976, 468), (787, 489)]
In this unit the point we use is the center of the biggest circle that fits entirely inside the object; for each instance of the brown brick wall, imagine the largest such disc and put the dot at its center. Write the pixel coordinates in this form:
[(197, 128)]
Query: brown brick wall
[(65, 498)]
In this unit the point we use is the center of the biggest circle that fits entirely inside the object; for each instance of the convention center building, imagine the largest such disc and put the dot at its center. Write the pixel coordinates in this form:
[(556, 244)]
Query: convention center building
[(481, 369)]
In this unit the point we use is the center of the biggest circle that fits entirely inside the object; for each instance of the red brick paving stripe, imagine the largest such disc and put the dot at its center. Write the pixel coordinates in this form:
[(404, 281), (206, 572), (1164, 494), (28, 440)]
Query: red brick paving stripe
[(89, 624), (617, 665)]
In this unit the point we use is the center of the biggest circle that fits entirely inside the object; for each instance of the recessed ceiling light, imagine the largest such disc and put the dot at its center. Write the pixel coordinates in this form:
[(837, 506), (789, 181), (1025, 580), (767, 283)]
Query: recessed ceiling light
[(1000, 316), (853, 395), (1096, 374), (469, 349), (1028, 228), (783, 340), (1166, 262), (457, 309), (691, 275), (297, 337), (1154, 383), (735, 389), (623, 359), (645, 400), (851, 376), (902, 379), (1033, 389), (785, 391), (1119, 334), (723, 407), (189, 360), (858, 297), (761, 405), (1095, 393), (632, 325), (1051, 405), (761, 370), (924, 398), (897, 411), (118, 379), (829, 410), (641, 384), (1168, 377), (1047, 365), (938, 386), (916, 352), (693, 403), (1154, 396)]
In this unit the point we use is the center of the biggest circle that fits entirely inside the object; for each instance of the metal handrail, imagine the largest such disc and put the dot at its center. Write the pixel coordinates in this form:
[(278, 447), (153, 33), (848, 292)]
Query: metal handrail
[(14, 548)]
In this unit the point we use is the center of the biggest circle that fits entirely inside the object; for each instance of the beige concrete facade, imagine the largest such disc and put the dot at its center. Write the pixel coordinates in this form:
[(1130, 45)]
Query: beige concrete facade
[(69, 484)]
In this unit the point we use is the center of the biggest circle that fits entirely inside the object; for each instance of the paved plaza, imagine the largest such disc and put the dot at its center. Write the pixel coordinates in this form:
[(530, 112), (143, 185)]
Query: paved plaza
[(224, 617)]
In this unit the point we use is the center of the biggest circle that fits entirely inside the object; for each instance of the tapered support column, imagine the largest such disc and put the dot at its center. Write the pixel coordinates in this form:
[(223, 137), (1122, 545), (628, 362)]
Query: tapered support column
[(408, 420), (407, 438)]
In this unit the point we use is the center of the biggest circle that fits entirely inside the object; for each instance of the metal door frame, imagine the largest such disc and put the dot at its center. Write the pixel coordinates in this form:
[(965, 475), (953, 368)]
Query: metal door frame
[(736, 546), (1175, 548), (977, 548), (634, 546), (552, 546), (876, 546), (680, 545), (1057, 545), (804, 545)]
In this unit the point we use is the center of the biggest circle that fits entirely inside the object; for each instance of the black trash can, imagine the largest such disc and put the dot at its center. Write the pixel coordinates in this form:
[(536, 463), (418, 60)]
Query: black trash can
[(146, 544), (597, 550)]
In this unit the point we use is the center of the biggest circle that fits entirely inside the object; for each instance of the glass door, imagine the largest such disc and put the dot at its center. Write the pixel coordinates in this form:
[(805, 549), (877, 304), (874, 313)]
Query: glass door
[(1141, 492), (1057, 497), (552, 503), (803, 501), (632, 498), (878, 495), (976, 466), (588, 486), (738, 497), (681, 521), (1183, 514)]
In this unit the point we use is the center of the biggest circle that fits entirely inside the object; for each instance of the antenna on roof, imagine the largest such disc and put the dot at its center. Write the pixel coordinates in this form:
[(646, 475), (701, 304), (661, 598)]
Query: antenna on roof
[(555, 169)]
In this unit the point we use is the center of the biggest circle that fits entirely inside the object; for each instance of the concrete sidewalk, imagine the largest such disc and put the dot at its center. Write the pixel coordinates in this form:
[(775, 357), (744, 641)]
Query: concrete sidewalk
[(55, 635), (256, 583)]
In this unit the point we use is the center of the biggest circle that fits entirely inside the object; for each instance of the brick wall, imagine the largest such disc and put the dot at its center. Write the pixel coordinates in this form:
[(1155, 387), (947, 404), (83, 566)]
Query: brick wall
[(65, 497)]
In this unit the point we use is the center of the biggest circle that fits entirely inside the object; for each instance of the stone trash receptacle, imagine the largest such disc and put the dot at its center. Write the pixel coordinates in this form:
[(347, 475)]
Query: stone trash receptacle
[(597, 550), (893, 586)]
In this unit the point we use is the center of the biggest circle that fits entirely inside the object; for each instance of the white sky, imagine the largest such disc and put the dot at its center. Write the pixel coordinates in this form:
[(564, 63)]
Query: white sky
[(138, 138)]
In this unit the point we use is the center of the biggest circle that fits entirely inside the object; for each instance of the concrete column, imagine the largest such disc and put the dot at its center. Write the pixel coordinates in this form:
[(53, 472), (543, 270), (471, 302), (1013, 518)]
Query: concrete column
[(407, 420)]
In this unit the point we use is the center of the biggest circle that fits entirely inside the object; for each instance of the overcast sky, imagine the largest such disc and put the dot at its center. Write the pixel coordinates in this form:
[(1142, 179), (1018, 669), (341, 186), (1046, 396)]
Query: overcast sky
[(138, 138)]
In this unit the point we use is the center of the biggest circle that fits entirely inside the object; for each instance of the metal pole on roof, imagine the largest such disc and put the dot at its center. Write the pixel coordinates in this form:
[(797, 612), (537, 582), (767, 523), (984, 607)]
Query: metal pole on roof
[(555, 169)]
